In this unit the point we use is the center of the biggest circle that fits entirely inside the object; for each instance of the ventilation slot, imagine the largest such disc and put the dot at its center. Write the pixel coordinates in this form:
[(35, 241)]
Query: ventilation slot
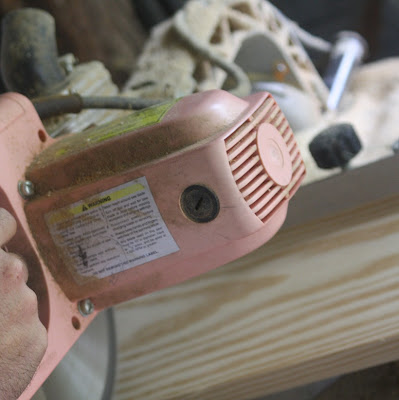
[(261, 194)]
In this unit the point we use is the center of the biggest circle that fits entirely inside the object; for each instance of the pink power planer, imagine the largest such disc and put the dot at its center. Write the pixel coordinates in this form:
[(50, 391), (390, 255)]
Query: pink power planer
[(142, 203)]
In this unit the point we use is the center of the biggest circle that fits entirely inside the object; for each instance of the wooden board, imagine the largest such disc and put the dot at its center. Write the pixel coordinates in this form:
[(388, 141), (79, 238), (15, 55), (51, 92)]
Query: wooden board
[(347, 190), (320, 299)]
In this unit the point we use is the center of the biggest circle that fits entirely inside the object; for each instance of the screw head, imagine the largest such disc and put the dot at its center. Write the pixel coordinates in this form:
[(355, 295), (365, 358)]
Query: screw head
[(85, 307), (26, 189), (199, 204)]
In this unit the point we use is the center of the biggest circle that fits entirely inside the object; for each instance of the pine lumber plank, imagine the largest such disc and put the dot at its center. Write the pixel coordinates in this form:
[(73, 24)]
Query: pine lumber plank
[(320, 299)]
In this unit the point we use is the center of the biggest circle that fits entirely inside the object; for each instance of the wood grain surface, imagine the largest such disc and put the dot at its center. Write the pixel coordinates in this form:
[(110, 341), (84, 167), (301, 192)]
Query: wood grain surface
[(318, 300)]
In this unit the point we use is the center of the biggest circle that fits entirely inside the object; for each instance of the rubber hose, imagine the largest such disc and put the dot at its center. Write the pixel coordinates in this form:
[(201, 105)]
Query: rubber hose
[(29, 55)]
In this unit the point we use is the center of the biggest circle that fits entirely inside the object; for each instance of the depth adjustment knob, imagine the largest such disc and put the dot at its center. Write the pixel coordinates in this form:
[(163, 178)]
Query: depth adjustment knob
[(335, 146)]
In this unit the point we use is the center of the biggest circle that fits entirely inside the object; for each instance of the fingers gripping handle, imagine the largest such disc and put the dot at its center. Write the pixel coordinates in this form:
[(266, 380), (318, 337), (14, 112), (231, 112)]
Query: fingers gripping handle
[(22, 137)]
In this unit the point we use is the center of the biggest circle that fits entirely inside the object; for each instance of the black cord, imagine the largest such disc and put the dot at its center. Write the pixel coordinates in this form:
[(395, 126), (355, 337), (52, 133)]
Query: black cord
[(51, 106), (117, 102)]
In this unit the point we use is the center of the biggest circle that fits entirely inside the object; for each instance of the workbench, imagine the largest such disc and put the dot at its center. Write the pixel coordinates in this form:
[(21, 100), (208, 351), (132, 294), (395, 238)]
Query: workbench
[(319, 300)]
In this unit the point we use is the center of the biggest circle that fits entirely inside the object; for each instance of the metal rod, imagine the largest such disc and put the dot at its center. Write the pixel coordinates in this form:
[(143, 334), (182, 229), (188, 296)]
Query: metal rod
[(348, 52)]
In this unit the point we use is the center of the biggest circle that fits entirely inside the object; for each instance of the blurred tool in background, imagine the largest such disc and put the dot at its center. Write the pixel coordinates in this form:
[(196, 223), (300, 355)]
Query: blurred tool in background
[(289, 70), (376, 20)]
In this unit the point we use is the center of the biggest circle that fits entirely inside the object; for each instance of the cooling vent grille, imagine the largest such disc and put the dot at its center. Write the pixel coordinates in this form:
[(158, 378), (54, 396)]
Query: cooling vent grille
[(260, 192)]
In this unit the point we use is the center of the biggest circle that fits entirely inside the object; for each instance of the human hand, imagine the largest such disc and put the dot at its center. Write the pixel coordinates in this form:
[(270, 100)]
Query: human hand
[(23, 338)]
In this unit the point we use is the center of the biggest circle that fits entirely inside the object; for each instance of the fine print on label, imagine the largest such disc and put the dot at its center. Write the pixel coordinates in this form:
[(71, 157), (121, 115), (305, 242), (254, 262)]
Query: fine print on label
[(116, 230)]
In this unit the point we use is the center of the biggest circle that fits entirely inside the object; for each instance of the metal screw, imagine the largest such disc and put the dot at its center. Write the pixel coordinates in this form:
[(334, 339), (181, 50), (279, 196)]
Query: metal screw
[(395, 147), (348, 52), (26, 189), (86, 307)]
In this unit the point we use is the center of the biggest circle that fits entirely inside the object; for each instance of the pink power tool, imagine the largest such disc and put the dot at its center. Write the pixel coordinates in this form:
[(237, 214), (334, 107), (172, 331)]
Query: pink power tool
[(142, 203)]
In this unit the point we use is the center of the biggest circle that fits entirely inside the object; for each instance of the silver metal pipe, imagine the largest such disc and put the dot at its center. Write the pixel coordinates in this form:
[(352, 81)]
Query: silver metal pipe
[(348, 52)]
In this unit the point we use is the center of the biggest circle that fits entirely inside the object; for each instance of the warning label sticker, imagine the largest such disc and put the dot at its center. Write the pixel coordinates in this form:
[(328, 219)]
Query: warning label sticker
[(111, 232)]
